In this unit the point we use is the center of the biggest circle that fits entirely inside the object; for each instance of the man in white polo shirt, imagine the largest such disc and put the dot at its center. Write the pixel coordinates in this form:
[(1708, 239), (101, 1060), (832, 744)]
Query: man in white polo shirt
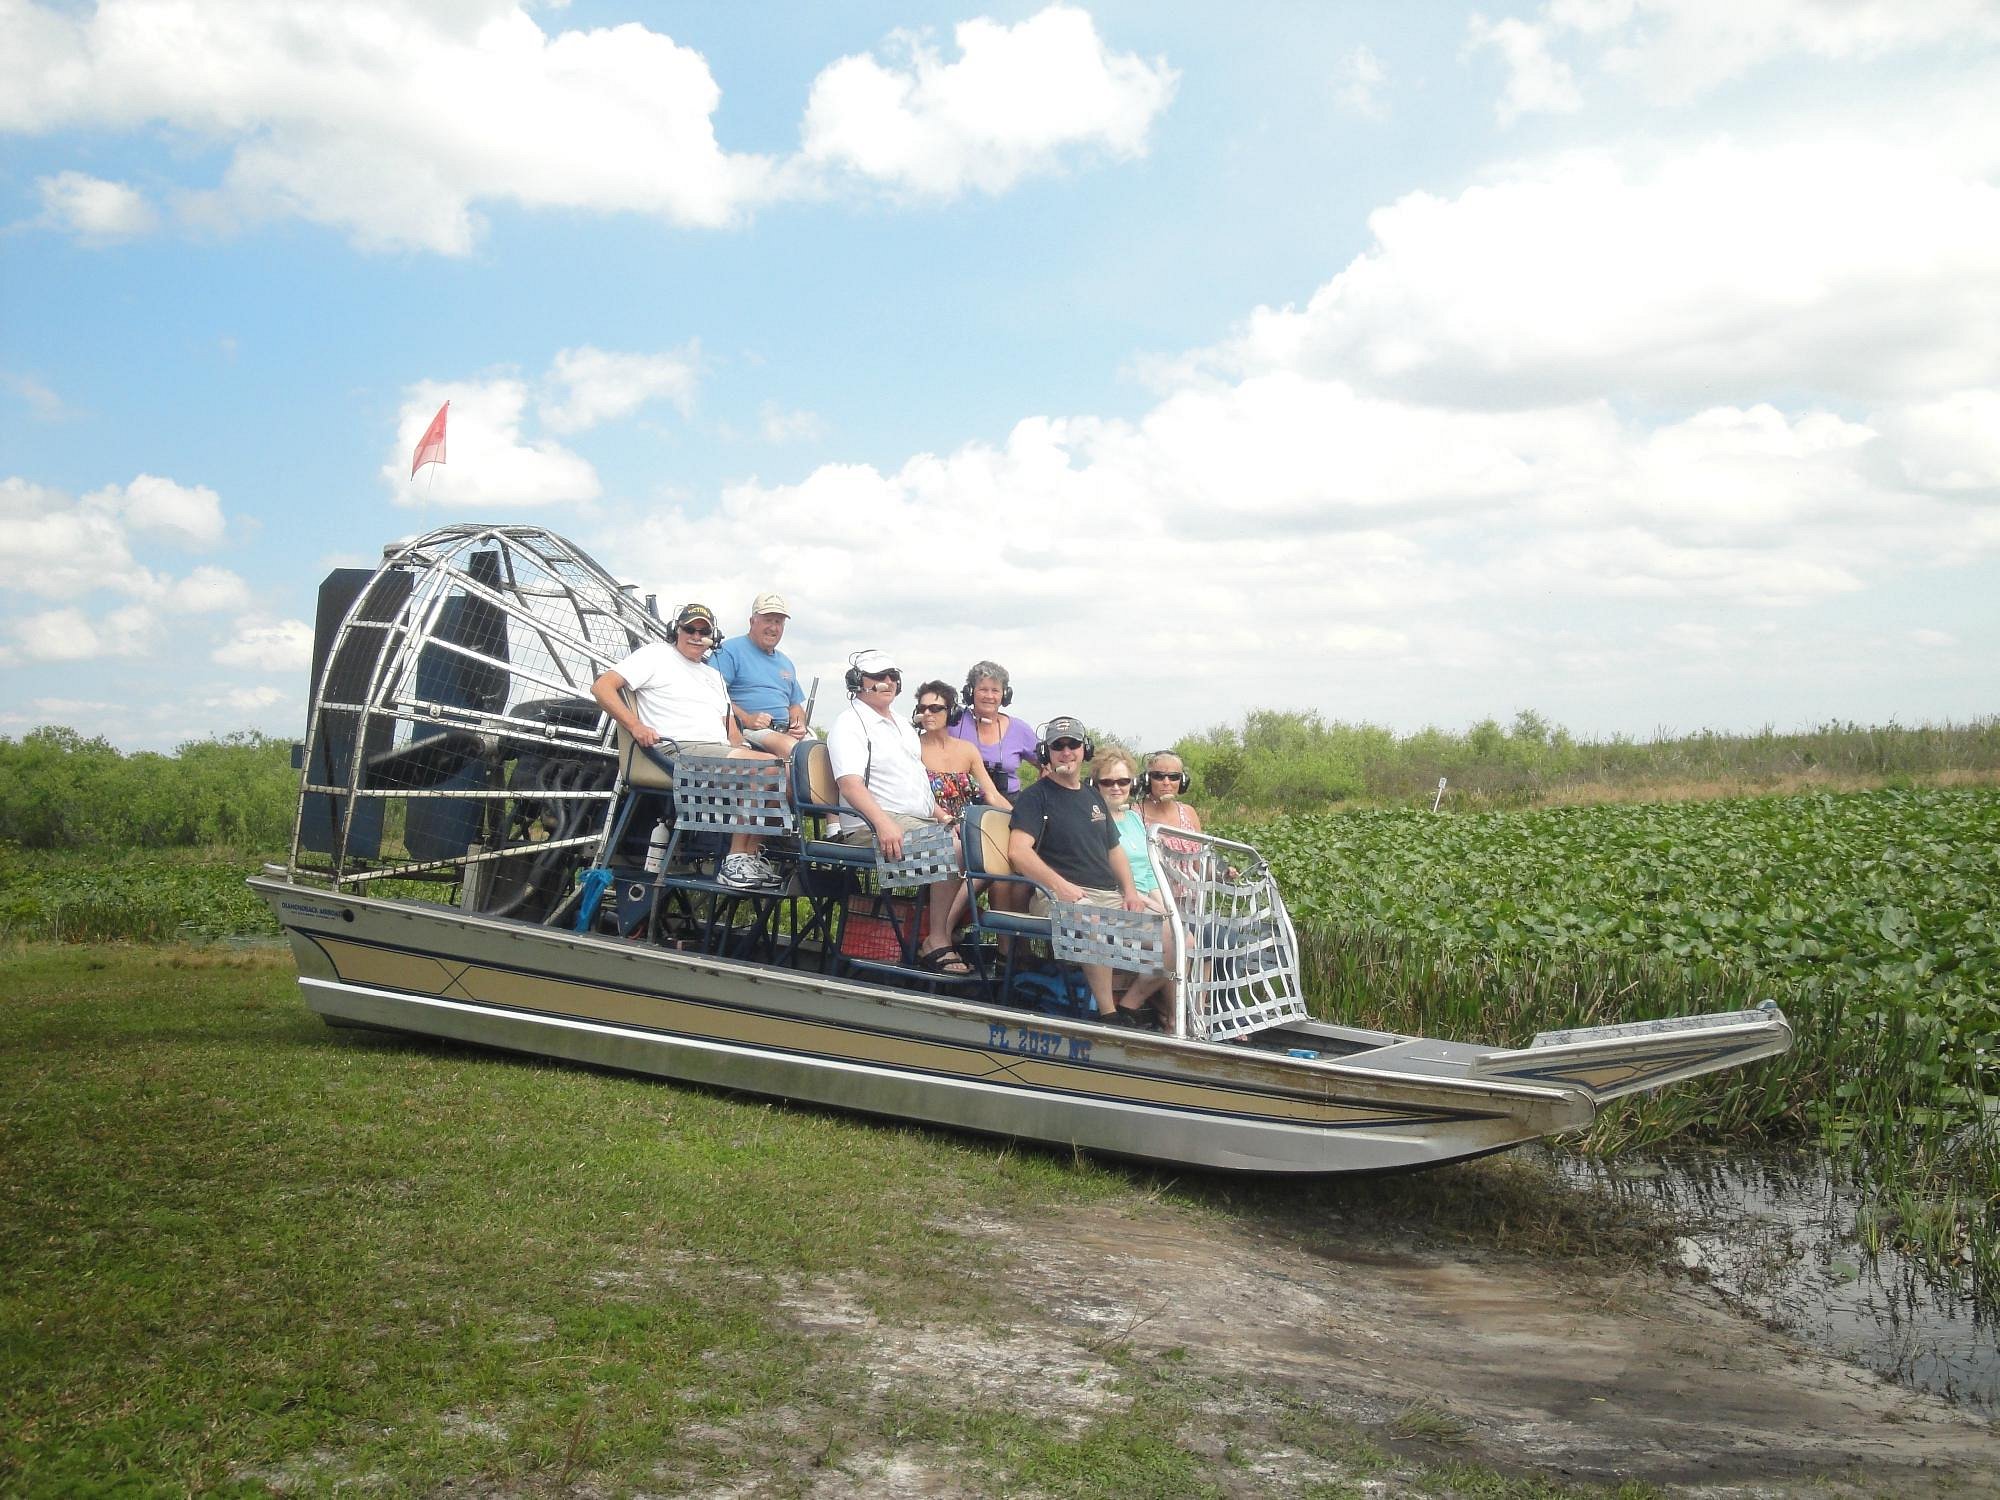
[(879, 768), (682, 699)]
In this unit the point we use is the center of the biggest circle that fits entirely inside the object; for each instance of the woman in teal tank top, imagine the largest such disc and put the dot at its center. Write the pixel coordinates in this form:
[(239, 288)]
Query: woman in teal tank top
[(1113, 775)]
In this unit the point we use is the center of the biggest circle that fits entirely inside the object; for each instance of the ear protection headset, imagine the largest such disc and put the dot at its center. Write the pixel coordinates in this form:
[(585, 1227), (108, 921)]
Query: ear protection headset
[(714, 630), (952, 712), (1042, 746), (855, 674), (1182, 776), (991, 669)]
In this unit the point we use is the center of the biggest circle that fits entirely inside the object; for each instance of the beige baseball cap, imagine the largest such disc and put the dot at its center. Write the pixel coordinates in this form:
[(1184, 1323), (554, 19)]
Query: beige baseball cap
[(770, 604)]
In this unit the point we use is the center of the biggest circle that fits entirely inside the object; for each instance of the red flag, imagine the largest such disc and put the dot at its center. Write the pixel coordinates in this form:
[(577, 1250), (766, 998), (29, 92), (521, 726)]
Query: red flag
[(430, 447)]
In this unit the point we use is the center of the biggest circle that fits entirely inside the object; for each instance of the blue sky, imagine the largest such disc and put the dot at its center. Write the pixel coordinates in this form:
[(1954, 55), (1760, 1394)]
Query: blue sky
[(1635, 361)]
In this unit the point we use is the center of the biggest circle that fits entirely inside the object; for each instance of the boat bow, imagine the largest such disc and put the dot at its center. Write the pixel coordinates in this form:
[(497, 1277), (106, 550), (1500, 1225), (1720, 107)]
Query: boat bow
[(1612, 1061)]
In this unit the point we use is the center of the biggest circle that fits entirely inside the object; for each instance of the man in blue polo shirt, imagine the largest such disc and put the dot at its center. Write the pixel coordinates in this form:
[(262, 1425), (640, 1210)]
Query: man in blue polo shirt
[(763, 684)]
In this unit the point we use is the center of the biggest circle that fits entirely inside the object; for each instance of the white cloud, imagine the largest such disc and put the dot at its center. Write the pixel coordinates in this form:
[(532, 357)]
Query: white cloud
[(585, 387), (489, 464), (1632, 563), (1933, 639), (396, 124), (59, 549), (188, 514), (1537, 83), (780, 426), (1676, 49), (1285, 520), (1844, 266), (390, 121), (1950, 445), (60, 635), (1693, 636), (79, 551), (95, 211), (207, 590), (267, 645), (248, 700), (1733, 472), (1019, 100), (1357, 84), (43, 404)]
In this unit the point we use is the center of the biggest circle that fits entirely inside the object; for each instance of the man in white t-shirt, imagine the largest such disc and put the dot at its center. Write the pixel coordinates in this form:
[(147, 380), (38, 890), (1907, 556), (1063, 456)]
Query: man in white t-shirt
[(681, 699), (879, 767)]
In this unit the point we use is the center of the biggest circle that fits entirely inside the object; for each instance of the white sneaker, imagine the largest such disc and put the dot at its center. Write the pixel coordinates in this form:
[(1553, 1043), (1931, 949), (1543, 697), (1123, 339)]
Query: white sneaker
[(739, 871), (747, 873)]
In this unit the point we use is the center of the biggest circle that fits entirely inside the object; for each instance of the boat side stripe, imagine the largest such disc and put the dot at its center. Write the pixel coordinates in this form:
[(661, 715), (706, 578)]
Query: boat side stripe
[(389, 968)]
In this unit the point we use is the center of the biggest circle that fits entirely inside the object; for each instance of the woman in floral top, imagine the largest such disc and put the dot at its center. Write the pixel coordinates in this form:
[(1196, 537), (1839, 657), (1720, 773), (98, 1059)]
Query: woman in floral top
[(958, 776)]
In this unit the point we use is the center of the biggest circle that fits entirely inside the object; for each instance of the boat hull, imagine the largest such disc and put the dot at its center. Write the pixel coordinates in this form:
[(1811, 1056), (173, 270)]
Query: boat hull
[(436, 971)]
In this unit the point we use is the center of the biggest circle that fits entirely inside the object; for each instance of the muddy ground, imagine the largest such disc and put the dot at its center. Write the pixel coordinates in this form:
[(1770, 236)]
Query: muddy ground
[(1425, 1359)]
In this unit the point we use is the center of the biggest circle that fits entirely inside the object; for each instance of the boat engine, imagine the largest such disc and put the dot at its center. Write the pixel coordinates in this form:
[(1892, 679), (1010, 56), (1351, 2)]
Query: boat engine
[(452, 739)]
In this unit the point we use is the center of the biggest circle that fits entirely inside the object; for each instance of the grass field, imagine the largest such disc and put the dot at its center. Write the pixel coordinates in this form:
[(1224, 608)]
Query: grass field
[(249, 1253), (239, 1240)]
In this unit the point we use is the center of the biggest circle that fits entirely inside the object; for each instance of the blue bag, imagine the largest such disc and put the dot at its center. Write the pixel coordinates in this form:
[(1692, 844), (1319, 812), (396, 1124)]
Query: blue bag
[(1064, 994)]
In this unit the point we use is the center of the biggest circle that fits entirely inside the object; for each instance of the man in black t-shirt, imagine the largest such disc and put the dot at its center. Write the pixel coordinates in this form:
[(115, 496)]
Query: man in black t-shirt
[(1062, 838)]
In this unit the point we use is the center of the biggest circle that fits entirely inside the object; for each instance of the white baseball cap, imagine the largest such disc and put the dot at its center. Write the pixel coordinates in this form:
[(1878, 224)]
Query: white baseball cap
[(770, 604), (875, 664)]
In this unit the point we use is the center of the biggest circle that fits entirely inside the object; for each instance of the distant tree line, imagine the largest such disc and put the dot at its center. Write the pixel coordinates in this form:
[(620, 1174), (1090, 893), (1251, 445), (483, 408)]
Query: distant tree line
[(59, 790), (1291, 761)]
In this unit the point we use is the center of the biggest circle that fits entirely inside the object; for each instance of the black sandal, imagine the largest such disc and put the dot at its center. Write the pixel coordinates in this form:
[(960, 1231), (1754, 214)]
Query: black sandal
[(947, 961)]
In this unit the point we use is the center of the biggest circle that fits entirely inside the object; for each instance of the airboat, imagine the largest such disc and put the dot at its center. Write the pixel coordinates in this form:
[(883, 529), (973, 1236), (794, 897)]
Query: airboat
[(480, 855)]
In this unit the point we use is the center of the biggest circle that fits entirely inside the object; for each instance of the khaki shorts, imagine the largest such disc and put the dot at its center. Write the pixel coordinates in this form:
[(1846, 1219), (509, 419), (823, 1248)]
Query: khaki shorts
[(720, 749), (1038, 904), (908, 822)]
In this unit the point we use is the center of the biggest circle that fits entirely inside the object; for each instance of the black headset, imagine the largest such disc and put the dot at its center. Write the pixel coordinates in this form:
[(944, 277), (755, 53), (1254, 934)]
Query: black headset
[(853, 678), (1042, 746), (1006, 683), (1186, 780), (714, 630), (952, 712)]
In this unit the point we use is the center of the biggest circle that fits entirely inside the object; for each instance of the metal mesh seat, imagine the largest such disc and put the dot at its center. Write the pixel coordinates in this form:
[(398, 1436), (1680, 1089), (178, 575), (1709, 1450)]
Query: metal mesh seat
[(930, 854), (715, 794), (1119, 939)]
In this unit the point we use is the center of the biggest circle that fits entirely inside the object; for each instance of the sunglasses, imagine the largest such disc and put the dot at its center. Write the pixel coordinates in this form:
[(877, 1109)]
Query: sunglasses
[(1067, 745), (698, 630), (931, 708), (1114, 781), (1163, 776)]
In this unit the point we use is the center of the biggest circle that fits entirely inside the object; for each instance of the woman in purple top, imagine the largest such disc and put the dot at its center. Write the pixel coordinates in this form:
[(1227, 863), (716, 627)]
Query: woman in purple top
[(1002, 740)]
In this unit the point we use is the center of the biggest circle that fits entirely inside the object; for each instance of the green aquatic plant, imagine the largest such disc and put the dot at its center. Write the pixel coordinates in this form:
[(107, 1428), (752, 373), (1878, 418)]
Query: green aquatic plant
[(1873, 918)]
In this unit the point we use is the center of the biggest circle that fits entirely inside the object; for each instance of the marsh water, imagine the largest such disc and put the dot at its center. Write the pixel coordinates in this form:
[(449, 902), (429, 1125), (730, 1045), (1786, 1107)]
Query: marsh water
[(1775, 1233)]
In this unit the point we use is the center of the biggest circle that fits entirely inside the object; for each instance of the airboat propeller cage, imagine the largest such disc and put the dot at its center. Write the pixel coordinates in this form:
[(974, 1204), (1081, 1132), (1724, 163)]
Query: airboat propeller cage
[(452, 686)]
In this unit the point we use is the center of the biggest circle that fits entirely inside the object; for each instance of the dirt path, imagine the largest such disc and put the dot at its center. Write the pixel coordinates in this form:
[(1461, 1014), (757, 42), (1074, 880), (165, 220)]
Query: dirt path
[(1435, 1358)]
